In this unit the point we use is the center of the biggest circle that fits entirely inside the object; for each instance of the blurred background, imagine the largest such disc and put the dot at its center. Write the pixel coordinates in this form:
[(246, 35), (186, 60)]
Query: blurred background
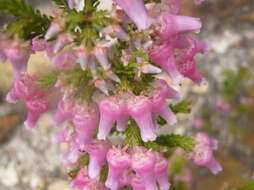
[(223, 106)]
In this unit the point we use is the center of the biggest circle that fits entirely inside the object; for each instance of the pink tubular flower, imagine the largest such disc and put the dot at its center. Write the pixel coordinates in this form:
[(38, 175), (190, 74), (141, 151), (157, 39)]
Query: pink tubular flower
[(73, 153), (136, 11), (64, 61), (85, 119), (111, 110), (64, 111), (25, 87), (55, 28), (64, 136), (173, 24), (61, 41), (101, 55), (137, 183), (36, 108), (160, 107), (97, 150), (161, 172), (94, 185), (143, 163), (162, 87), (203, 156), (118, 160), (162, 54), (140, 109), (222, 105), (82, 57), (116, 30), (38, 44), (78, 5), (204, 139), (18, 56), (81, 179)]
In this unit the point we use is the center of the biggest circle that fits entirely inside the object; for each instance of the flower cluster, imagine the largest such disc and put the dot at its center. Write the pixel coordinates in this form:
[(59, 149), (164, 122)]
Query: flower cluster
[(111, 68)]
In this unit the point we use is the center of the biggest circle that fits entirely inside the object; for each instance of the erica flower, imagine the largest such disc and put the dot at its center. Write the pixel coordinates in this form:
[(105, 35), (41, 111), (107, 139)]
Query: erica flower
[(3, 45), (55, 28), (165, 90), (64, 61), (161, 172), (136, 11), (97, 150), (38, 44), (85, 119), (140, 109), (143, 163), (82, 57), (203, 156), (115, 30), (81, 179), (101, 55), (162, 54), (78, 5), (61, 41), (64, 136), (173, 24), (25, 87), (64, 111), (18, 56), (111, 110), (35, 108), (94, 185), (137, 183), (160, 107), (73, 153), (118, 160)]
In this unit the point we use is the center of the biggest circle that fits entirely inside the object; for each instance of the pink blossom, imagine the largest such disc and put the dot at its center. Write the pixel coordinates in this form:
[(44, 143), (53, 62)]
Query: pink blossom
[(64, 111), (111, 110), (140, 109), (116, 30), (137, 183), (162, 54), (62, 40), (173, 24), (101, 54), (18, 56), (203, 156), (85, 119), (203, 139), (160, 107), (36, 108), (161, 171), (4, 44), (73, 153), (94, 185), (64, 61), (97, 150), (25, 87), (199, 1), (38, 44), (136, 11), (82, 57), (81, 179), (118, 160), (64, 136), (55, 28), (197, 123), (143, 163), (165, 90)]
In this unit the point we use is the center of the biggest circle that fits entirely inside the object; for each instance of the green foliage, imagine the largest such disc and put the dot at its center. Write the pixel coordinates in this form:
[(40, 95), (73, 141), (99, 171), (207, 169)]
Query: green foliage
[(84, 160), (248, 186), (176, 167), (174, 140), (29, 21), (181, 185), (232, 82), (132, 135), (74, 172), (104, 173), (181, 107), (80, 79), (48, 81)]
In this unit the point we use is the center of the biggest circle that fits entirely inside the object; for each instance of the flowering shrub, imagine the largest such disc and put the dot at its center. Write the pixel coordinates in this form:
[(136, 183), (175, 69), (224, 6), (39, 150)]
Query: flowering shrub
[(115, 73)]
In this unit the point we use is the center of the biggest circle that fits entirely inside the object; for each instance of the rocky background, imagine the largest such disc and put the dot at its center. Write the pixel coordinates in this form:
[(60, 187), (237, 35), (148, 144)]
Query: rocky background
[(30, 161)]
